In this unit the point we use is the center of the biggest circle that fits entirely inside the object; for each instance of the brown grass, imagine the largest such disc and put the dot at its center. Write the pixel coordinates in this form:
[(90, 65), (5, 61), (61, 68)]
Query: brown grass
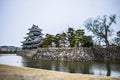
[(24, 73)]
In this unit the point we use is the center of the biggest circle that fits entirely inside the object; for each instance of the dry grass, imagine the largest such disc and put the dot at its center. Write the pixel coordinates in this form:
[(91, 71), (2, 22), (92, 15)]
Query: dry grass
[(23, 73)]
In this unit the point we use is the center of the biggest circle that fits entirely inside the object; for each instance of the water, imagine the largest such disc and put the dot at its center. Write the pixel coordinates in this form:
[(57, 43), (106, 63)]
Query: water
[(105, 68)]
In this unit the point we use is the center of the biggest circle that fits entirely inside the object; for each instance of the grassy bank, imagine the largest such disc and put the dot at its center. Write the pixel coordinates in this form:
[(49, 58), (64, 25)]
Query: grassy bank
[(23, 73)]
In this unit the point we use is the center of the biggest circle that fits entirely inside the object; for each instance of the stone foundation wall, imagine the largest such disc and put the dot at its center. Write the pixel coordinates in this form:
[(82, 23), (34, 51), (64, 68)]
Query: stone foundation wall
[(28, 52), (67, 54), (74, 54), (112, 53)]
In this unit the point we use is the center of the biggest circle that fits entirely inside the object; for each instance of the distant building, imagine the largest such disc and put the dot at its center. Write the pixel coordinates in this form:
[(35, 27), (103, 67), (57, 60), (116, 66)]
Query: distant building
[(33, 39), (8, 49)]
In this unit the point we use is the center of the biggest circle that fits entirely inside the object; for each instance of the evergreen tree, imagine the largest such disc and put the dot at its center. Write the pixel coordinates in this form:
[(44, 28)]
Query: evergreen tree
[(71, 36), (63, 39), (79, 33), (57, 40), (47, 41)]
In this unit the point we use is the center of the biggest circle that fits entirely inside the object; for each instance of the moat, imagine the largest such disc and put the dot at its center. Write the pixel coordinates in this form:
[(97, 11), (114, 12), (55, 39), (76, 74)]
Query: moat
[(105, 68)]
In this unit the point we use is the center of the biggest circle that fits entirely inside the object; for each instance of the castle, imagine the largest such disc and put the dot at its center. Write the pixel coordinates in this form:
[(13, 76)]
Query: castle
[(33, 39)]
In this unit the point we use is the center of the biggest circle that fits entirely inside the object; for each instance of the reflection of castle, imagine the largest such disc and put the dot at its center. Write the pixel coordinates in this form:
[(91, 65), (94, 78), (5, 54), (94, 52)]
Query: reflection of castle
[(33, 39)]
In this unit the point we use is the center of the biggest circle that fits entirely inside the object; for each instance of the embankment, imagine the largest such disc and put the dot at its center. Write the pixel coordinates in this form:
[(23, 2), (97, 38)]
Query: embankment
[(24, 73)]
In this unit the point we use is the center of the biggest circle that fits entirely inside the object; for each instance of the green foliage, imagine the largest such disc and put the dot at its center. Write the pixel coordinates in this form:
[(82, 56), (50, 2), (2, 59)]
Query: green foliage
[(100, 27), (63, 38), (79, 37), (71, 38), (47, 41), (57, 40), (87, 40)]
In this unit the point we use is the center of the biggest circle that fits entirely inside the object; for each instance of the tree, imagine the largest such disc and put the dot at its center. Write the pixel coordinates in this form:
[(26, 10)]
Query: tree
[(79, 33), (87, 41), (71, 36), (118, 33), (63, 38), (117, 39), (57, 40), (100, 27), (47, 41)]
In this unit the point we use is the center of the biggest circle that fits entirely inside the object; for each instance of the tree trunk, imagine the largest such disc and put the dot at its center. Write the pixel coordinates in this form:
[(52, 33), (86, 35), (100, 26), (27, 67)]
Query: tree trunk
[(106, 37), (106, 42)]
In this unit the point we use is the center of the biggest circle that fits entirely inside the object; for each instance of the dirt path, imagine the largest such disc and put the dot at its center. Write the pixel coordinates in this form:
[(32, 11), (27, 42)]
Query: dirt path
[(23, 73)]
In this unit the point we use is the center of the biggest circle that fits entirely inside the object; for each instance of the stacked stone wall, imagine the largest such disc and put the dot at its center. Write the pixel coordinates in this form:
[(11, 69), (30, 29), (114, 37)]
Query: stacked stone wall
[(112, 53), (67, 54), (74, 54)]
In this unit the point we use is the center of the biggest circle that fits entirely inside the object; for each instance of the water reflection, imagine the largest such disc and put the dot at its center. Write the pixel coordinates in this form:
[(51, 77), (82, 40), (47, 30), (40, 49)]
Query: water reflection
[(105, 68), (64, 66), (108, 66)]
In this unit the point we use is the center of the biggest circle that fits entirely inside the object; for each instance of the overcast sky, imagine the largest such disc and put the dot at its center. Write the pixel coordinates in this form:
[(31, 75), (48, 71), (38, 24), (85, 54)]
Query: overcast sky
[(53, 16)]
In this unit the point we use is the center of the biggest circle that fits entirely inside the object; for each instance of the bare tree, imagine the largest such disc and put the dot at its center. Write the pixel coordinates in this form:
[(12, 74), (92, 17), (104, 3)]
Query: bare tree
[(100, 27)]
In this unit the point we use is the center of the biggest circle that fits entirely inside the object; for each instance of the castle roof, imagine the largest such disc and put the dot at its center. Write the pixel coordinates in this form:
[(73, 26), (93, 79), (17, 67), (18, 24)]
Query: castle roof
[(35, 28)]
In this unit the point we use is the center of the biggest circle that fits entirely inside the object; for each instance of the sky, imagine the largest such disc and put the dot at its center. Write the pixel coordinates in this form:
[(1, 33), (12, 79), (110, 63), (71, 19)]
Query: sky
[(52, 16)]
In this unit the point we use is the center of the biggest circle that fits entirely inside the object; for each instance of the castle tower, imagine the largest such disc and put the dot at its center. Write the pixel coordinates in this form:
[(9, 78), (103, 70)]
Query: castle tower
[(33, 39)]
